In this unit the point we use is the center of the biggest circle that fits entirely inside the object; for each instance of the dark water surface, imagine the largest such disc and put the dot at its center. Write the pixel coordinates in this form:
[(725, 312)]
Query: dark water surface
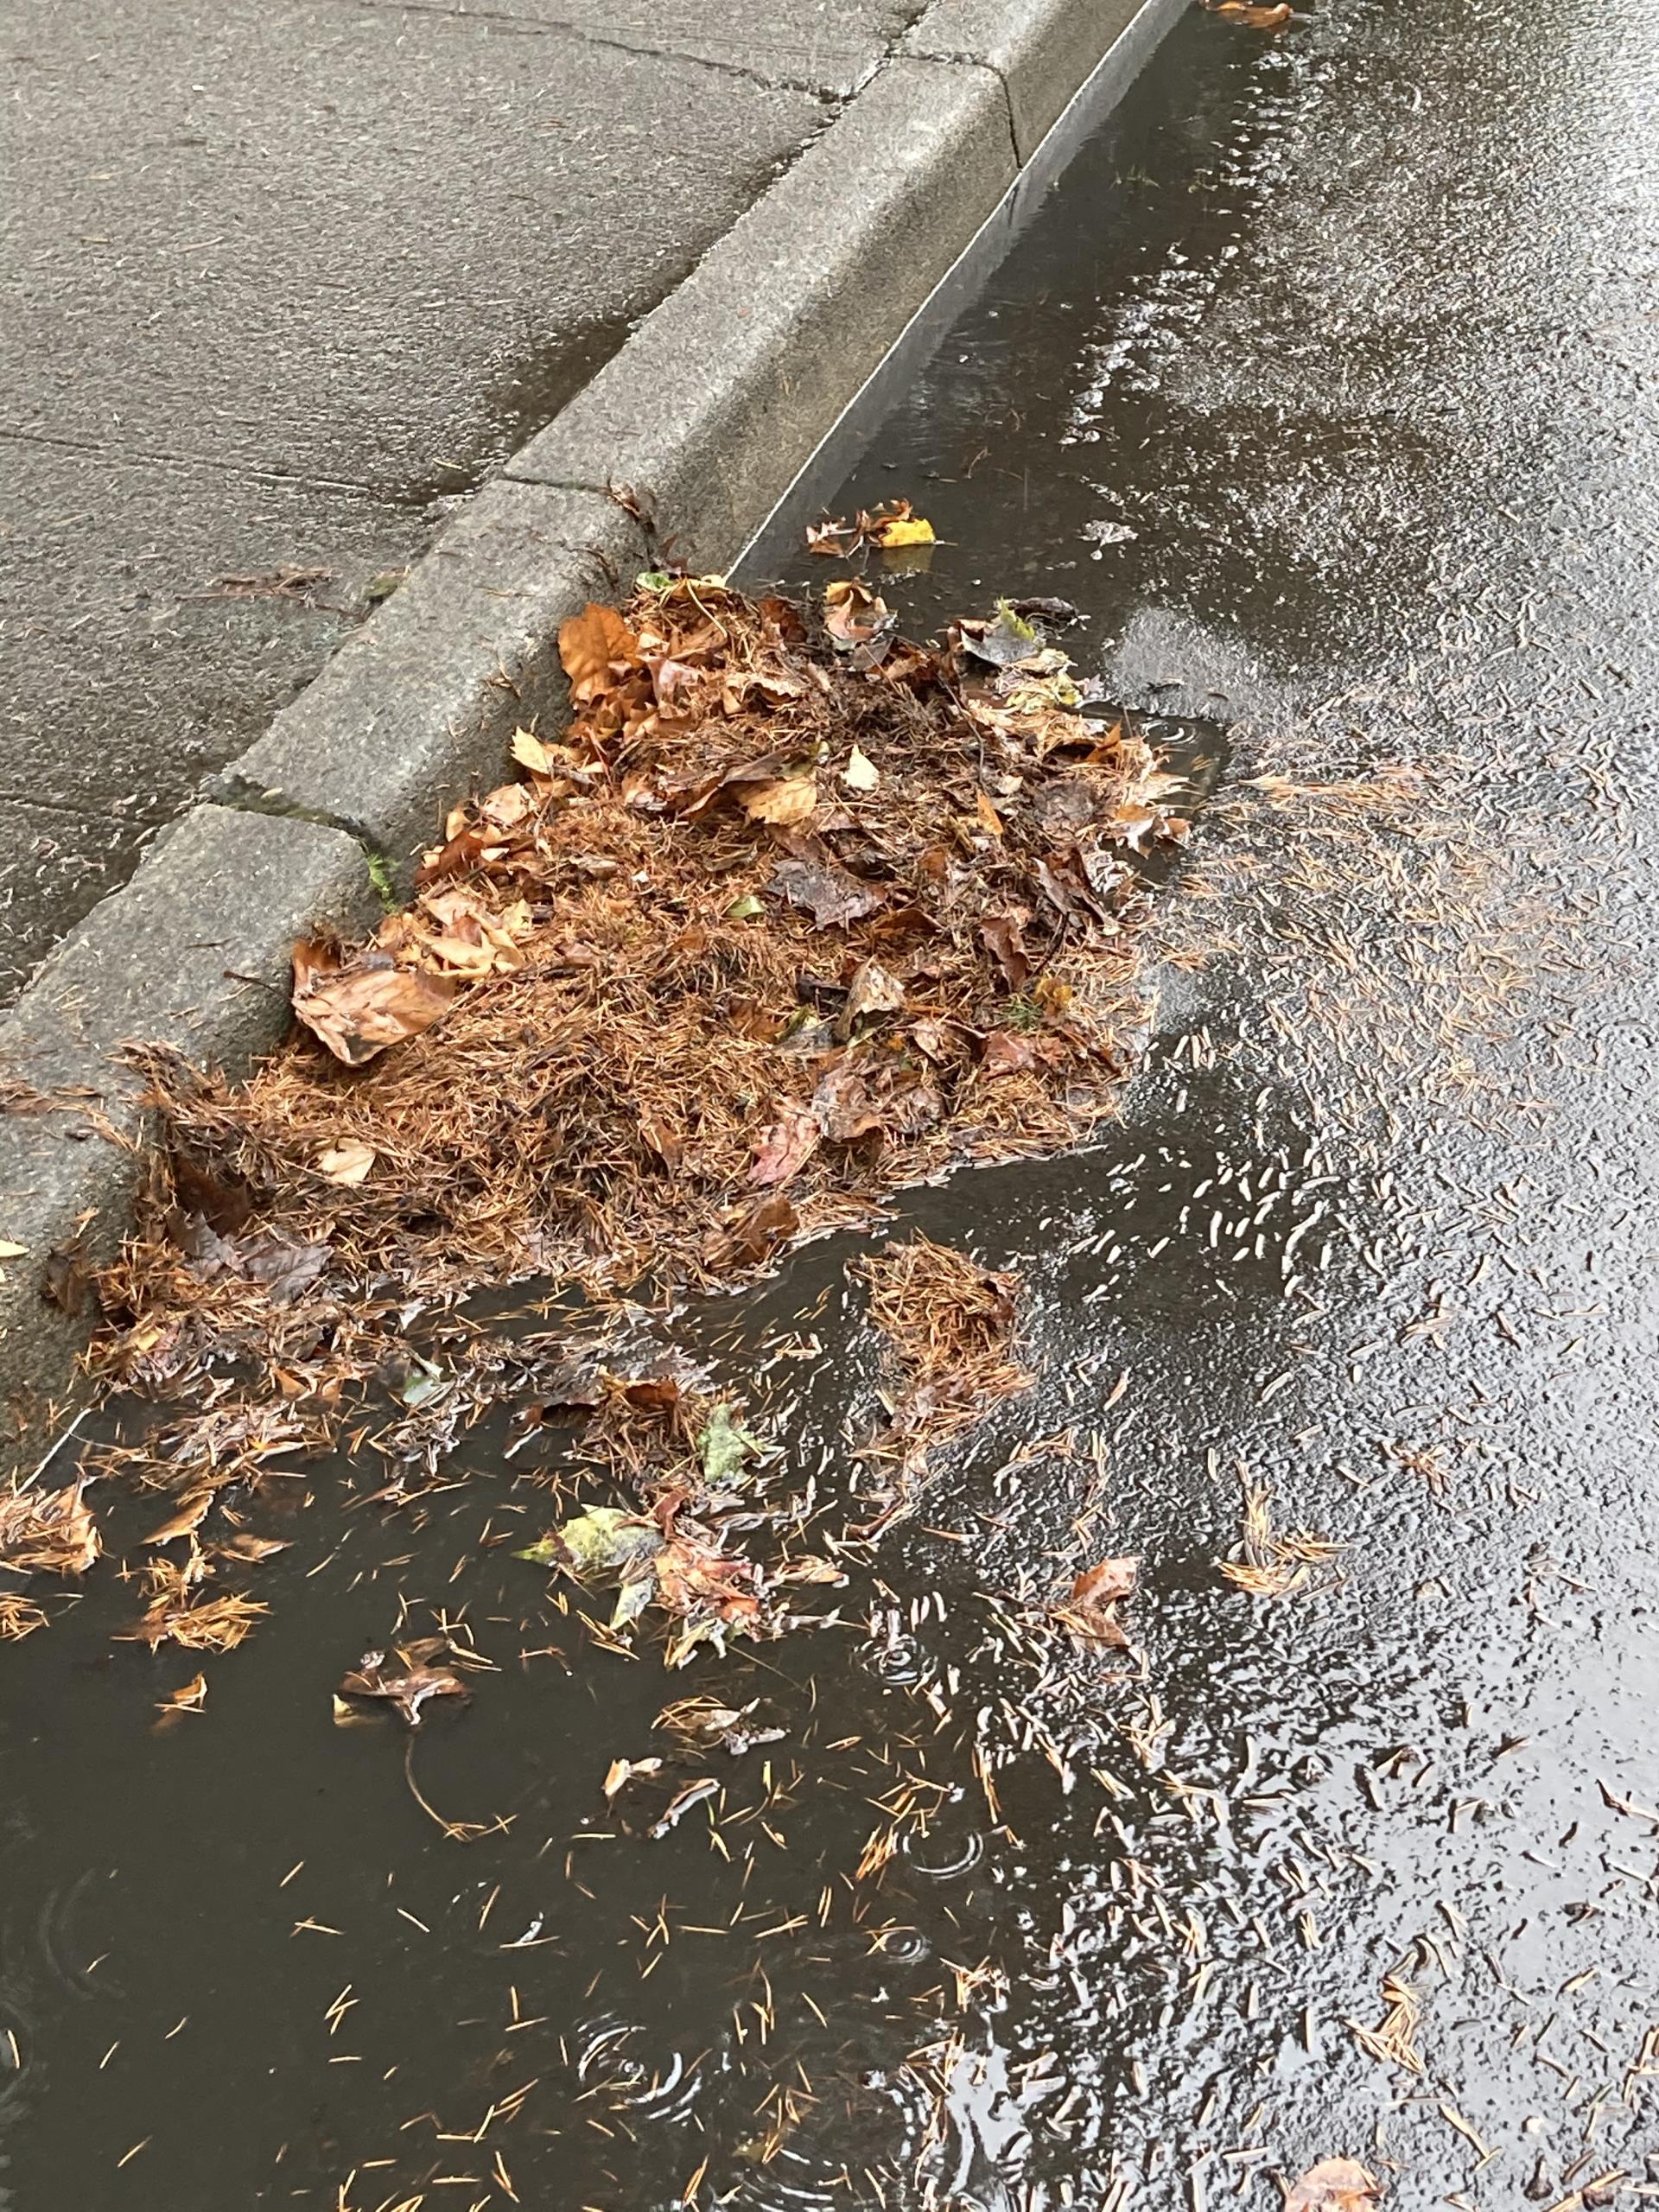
[(1356, 331)]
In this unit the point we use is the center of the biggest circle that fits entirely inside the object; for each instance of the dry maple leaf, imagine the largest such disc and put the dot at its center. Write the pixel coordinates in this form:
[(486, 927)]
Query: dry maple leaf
[(1334, 2185), (405, 1676)]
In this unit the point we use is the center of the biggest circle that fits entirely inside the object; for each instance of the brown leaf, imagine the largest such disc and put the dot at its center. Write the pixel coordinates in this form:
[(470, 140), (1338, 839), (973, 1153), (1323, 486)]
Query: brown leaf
[(830, 893), (1007, 1054), (243, 1544), (360, 1009), (1106, 1584), (47, 1532), (588, 644), (1001, 938), (286, 1268), (786, 1147), (66, 1279), (185, 1522), (989, 820), (405, 1678), (787, 804), (757, 1234), (1334, 2185), (223, 1203)]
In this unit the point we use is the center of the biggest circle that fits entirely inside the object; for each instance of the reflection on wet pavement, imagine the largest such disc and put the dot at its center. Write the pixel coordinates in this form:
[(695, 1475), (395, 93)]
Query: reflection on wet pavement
[(1353, 331)]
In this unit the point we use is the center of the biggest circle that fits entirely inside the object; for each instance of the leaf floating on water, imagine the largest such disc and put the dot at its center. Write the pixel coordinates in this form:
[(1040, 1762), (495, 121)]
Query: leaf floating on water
[(47, 1532), (725, 1447), (622, 1771), (704, 1723), (405, 1676), (1252, 15), (1335, 2185), (185, 1522), (192, 1698), (604, 1541)]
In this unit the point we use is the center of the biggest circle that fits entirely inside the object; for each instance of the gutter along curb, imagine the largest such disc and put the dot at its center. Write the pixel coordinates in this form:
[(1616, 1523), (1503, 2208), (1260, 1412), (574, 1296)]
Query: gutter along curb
[(709, 411)]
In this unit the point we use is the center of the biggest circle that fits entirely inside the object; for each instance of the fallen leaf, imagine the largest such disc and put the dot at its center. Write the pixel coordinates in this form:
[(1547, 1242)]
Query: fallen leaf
[(903, 530), (406, 1677), (785, 1147), (10, 1251), (787, 804), (361, 1008), (860, 773), (1334, 2185), (1006, 1054), (1002, 940), (190, 1698), (604, 1541), (1108, 1583), (873, 990), (185, 1522), (285, 1266), (725, 1447), (346, 1164), (1253, 18), (47, 1532), (702, 1723), (621, 1771), (588, 644), (243, 1544), (530, 752), (693, 1794), (831, 894), (989, 820)]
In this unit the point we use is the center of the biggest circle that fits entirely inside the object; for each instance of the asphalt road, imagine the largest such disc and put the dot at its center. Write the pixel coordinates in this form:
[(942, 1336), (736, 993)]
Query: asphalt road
[(277, 282)]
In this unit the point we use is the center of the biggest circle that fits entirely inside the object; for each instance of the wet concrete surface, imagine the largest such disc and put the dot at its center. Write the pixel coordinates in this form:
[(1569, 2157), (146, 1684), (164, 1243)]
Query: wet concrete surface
[(277, 282), (1354, 330)]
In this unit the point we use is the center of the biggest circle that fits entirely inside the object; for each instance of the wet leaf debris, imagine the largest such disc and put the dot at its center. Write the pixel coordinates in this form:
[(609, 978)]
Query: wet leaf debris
[(796, 913)]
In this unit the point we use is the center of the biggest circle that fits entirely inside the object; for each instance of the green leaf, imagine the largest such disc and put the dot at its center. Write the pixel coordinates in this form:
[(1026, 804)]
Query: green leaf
[(652, 579), (746, 909), (603, 1540), (724, 1447), (632, 1597)]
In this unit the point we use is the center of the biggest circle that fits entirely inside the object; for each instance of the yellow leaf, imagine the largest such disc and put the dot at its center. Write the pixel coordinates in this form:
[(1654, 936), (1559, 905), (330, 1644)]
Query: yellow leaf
[(860, 773), (989, 819), (905, 530)]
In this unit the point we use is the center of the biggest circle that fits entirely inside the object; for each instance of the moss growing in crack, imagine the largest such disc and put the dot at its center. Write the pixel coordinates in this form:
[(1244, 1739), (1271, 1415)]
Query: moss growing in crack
[(380, 876)]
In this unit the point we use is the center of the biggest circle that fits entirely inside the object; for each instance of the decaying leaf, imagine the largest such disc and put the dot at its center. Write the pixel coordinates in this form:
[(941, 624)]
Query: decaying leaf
[(702, 1723), (1252, 15), (832, 895), (406, 1677), (192, 1698), (1091, 1607), (185, 1522), (787, 804), (602, 1541), (860, 773), (47, 1532), (1335, 2185), (726, 1447), (622, 1771), (360, 1009)]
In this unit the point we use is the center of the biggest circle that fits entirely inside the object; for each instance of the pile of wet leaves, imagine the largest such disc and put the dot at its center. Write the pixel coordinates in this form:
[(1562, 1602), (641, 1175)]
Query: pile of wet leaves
[(795, 914)]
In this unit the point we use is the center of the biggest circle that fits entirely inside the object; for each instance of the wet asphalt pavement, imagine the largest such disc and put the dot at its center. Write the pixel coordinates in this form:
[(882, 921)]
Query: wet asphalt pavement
[(1354, 331)]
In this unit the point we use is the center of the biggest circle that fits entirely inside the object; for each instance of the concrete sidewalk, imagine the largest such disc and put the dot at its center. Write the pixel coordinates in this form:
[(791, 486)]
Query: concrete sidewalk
[(278, 284)]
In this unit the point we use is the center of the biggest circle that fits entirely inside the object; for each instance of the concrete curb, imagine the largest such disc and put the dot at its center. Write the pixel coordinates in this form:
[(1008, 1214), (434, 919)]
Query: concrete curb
[(709, 411)]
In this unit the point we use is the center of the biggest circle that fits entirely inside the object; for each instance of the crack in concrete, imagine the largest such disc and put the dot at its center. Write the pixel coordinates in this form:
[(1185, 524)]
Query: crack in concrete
[(541, 26)]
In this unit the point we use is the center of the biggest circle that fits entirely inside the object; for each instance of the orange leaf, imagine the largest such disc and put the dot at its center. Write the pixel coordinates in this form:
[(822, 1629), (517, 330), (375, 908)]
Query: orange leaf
[(588, 644), (1334, 2185)]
